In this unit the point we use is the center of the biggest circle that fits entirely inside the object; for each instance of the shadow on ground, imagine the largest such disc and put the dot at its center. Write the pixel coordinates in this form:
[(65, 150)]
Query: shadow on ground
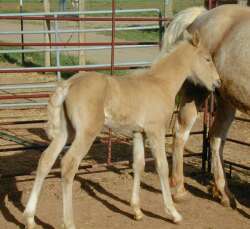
[(26, 162)]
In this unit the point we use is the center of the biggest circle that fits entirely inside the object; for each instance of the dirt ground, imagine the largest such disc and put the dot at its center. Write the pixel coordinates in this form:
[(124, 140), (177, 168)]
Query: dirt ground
[(101, 196)]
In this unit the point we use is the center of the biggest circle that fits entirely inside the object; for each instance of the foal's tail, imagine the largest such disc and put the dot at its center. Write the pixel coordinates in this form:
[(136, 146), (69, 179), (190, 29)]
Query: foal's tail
[(180, 23), (55, 109)]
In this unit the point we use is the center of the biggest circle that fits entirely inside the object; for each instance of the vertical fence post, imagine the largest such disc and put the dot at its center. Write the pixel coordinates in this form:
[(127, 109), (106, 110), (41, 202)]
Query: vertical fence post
[(168, 9), (58, 52), (208, 120), (111, 72), (243, 2), (161, 29), (211, 119), (22, 36), (82, 35), (47, 37), (205, 138), (62, 5), (210, 4)]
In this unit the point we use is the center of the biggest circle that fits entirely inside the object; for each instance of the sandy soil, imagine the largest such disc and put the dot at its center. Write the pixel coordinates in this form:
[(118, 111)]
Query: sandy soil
[(101, 200), (101, 196)]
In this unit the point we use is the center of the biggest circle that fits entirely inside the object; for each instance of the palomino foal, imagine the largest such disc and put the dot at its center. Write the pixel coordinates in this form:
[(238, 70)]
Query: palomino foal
[(139, 102)]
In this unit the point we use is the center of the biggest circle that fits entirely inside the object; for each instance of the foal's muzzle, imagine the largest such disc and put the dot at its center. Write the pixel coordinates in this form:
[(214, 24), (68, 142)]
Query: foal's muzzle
[(216, 84)]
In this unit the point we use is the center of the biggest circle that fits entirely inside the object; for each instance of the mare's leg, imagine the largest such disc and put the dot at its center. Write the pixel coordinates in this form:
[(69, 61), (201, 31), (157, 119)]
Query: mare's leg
[(45, 163), (84, 138), (223, 119), (184, 123), (157, 143), (138, 167)]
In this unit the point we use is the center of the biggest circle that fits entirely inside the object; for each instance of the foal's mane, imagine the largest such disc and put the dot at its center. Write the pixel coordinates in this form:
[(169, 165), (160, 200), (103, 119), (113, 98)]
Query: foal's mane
[(162, 55), (165, 53)]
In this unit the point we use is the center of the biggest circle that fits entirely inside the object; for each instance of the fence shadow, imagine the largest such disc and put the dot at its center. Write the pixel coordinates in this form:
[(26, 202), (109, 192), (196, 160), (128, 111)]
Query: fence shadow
[(16, 164)]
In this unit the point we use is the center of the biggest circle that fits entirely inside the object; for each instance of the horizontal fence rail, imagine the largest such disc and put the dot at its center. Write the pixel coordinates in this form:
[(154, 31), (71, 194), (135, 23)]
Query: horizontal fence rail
[(73, 49), (79, 30), (128, 43), (92, 67), (88, 19), (87, 12)]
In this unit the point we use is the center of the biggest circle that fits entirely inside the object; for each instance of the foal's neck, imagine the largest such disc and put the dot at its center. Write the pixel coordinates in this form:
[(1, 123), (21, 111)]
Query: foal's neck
[(173, 69)]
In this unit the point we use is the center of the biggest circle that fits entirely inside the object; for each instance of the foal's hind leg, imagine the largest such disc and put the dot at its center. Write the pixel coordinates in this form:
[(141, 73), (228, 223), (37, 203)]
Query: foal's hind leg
[(223, 119), (45, 163), (70, 163), (157, 142), (138, 166), (184, 123)]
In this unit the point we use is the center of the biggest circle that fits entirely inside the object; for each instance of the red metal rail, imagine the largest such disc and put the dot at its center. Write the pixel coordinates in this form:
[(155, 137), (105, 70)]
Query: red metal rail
[(17, 44), (90, 19), (24, 96), (73, 69)]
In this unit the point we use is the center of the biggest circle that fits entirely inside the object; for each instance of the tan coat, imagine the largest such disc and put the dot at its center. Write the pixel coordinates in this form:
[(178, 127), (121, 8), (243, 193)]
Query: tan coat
[(141, 101)]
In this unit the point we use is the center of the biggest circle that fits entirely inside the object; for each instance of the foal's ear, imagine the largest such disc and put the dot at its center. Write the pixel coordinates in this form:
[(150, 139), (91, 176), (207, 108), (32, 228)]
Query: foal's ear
[(187, 36), (196, 39)]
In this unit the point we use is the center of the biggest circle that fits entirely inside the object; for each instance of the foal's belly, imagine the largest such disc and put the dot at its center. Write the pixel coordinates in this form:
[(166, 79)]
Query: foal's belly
[(123, 124)]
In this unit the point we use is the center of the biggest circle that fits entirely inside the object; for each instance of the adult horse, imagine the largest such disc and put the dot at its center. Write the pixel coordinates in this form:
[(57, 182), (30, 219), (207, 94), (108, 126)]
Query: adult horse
[(130, 104), (225, 32)]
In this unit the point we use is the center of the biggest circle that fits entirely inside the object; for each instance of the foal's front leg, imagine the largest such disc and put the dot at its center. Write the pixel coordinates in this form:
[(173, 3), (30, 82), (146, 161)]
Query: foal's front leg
[(157, 142), (138, 167)]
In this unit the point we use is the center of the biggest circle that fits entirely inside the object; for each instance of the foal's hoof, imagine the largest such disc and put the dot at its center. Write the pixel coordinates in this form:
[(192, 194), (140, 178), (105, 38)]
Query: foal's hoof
[(30, 222), (138, 216), (68, 226), (180, 196), (215, 192), (177, 218), (33, 226), (30, 226), (225, 202)]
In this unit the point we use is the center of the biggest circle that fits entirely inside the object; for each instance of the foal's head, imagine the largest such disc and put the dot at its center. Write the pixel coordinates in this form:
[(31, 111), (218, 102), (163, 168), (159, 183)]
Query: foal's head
[(203, 70)]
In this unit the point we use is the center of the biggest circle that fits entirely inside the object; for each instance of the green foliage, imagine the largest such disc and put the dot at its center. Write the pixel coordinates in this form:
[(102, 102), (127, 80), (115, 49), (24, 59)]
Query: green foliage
[(37, 5)]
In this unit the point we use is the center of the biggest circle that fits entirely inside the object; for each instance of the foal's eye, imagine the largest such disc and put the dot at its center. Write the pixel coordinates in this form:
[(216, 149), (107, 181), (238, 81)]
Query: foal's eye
[(208, 59)]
